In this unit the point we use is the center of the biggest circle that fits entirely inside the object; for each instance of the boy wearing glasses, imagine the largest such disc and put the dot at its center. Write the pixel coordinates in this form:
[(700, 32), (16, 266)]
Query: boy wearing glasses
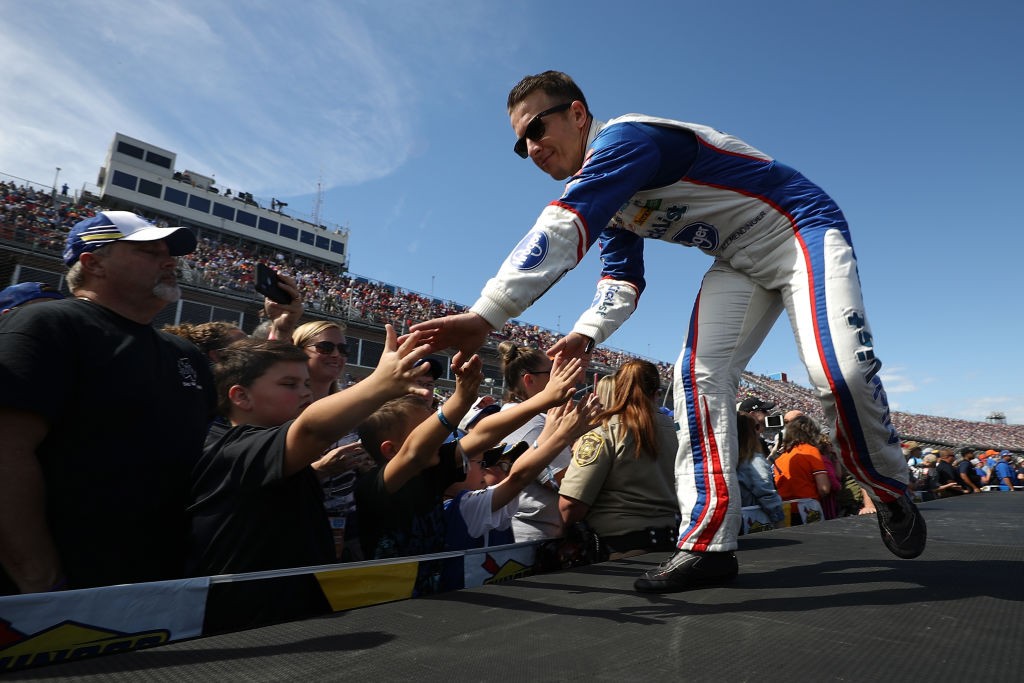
[(778, 241), (479, 511)]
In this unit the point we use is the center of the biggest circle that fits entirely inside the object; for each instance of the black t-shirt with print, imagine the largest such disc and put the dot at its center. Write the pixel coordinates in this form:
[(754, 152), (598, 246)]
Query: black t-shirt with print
[(127, 408), (247, 516)]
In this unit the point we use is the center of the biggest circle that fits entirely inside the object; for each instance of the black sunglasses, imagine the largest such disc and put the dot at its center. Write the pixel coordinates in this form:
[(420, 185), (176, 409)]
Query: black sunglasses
[(535, 129), (326, 348)]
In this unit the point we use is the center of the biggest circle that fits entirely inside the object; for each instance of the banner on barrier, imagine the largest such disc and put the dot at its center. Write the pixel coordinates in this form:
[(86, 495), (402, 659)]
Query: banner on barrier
[(491, 565), (46, 628), (351, 587)]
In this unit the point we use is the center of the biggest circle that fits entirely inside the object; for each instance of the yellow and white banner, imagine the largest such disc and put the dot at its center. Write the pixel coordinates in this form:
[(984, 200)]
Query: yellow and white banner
[(46, 628)]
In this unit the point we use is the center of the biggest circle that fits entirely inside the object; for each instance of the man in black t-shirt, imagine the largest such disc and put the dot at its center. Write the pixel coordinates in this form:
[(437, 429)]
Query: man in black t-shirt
[(947, 481), (101, 417)]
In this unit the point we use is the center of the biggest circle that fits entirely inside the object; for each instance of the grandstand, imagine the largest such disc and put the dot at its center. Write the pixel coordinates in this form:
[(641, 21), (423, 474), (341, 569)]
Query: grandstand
[(217, 280), (928, 430)]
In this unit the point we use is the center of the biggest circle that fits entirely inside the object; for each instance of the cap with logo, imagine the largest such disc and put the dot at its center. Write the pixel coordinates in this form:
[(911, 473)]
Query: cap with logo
[(477, 413), (504, 451), (107, 227)]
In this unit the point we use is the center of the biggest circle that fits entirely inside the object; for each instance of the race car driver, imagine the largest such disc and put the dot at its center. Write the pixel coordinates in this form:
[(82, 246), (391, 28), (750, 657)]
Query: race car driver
[(778, 241)]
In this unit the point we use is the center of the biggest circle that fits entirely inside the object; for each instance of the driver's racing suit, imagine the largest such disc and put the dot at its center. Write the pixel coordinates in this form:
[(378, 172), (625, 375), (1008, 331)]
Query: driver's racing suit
[(778, 242)]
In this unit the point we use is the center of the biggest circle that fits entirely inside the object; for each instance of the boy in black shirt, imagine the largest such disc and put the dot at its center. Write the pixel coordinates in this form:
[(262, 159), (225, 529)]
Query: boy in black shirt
[(256, 503)]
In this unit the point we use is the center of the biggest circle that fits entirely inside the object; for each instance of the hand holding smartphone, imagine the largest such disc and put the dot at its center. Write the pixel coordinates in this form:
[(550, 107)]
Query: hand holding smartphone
[(266, 284)]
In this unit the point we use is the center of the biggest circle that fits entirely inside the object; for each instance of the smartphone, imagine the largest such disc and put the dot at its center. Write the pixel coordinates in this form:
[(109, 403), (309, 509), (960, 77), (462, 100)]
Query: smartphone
[(266, 284), (773, 421)]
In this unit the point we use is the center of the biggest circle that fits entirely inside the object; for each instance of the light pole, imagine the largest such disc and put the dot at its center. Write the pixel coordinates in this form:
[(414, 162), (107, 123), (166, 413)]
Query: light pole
[(55, 176)]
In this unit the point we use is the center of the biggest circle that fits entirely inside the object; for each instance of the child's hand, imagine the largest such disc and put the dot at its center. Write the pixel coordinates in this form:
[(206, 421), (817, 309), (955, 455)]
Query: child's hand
[(565, 374), (468, 376), (342, 459), (590, 409), (572, 420), (396, 370)]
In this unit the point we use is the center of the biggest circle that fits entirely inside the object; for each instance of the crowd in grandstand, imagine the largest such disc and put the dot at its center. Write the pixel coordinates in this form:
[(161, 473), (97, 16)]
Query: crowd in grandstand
[(33, 217), (42, 219), (928, 428), (30, 216)]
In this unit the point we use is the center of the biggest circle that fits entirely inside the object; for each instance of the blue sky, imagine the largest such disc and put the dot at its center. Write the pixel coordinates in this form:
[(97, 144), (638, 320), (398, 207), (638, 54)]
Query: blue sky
[(908, 113)]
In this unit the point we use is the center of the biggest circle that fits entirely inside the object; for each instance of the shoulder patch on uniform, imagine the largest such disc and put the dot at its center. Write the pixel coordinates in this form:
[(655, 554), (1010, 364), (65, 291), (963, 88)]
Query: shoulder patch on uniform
[(587, 449)]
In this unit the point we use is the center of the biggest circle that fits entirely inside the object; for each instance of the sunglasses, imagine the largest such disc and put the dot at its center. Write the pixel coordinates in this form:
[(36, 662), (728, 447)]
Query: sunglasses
[(535, 129), (503, 465), (326, 348)]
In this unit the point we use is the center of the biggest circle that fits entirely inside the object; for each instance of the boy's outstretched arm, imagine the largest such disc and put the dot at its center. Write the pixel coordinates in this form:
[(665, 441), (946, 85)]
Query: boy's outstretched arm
[(327, 420), (566, 423), (493, 428), (420, 449)]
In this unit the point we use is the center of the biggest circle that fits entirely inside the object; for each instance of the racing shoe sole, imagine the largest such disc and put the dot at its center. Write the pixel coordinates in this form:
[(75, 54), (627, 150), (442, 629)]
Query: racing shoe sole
[(903, 529), (688, 569)]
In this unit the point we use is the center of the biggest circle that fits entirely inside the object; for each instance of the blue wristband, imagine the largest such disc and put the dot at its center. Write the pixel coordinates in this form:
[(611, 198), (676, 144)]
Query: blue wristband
[(444, 421)]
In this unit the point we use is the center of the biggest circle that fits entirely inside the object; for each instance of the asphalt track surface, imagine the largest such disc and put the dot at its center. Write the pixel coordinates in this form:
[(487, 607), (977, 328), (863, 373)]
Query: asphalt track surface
[(823, 602)]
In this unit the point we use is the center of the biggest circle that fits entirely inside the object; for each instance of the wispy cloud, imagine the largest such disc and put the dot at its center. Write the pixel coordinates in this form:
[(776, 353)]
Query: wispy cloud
[(268, 96), (979, 408), (58, 108)]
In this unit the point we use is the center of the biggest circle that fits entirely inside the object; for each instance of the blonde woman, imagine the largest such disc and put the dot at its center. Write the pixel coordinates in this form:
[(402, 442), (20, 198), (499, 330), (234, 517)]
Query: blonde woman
[(327, 349)]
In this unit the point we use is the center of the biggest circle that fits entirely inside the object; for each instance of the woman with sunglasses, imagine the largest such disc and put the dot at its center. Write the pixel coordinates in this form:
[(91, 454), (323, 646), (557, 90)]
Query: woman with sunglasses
[(325, 345), (327, 350), (621, 480), (526, 372)]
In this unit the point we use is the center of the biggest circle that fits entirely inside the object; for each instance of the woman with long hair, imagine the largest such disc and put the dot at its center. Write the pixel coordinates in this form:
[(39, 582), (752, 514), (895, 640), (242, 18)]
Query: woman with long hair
[(757, 485), (799, 471), (621, 479), (833, 470)]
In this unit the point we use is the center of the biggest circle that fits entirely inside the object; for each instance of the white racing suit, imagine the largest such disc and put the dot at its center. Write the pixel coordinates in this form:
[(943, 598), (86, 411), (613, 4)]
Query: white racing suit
[(779, 242)]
